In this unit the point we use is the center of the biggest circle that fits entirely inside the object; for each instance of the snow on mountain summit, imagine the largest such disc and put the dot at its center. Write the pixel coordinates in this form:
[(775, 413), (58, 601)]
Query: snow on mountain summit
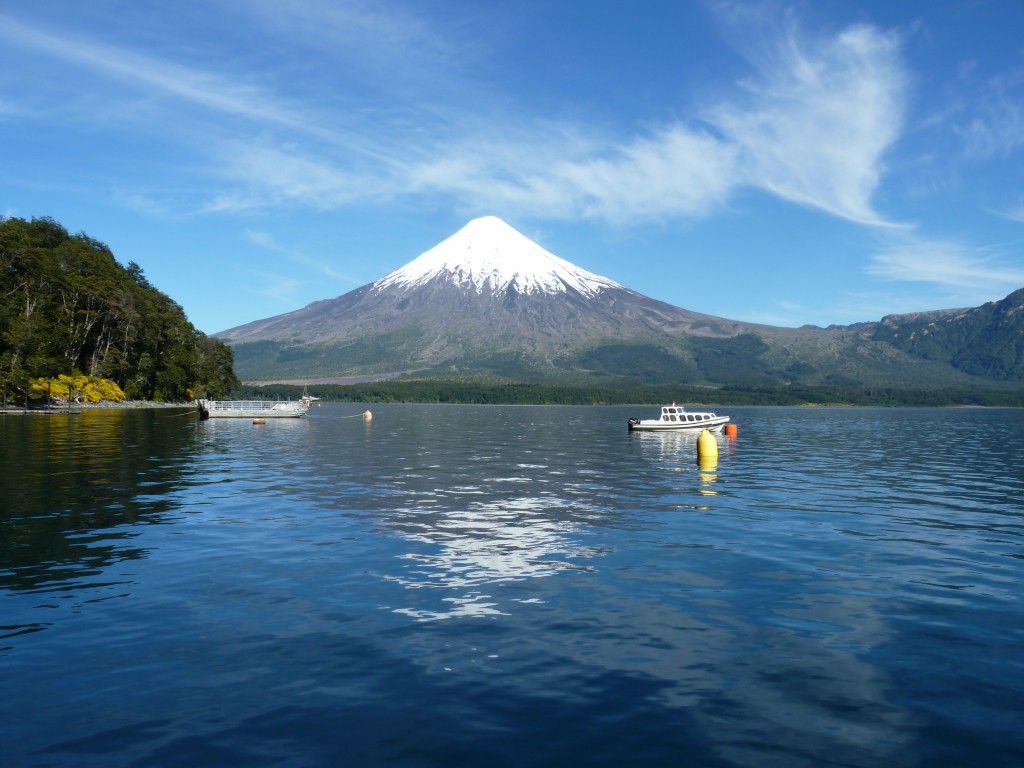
[(488, 254)]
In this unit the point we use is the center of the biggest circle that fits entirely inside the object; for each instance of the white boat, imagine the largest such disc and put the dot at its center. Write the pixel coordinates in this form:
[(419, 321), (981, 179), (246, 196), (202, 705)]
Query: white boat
[(675, 418), (254, 409)]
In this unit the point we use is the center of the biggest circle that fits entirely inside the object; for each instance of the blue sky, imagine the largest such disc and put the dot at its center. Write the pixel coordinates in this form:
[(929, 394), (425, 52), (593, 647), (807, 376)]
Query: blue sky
[(786, 163)]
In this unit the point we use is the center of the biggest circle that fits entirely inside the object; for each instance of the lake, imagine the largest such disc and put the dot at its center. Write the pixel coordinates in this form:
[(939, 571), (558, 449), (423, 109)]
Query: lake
[(512, 586)]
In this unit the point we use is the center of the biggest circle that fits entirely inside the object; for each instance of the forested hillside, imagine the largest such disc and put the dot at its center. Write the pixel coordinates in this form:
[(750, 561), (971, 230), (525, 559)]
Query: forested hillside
[(985, 341), (67, 306)]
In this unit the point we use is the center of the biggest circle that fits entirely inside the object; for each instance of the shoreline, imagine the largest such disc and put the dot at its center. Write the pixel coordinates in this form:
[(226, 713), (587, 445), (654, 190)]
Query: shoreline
[(65, 408), (132, 404)]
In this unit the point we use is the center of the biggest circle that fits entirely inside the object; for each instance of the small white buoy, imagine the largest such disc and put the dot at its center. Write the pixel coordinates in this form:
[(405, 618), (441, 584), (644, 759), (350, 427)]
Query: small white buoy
[(259, 421), (367, 416)]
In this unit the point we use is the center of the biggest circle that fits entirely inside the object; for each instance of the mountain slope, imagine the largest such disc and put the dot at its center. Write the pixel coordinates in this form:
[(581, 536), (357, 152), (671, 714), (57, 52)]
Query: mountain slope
[(485, 291), (489, 302), (986, 341), (486, 281)]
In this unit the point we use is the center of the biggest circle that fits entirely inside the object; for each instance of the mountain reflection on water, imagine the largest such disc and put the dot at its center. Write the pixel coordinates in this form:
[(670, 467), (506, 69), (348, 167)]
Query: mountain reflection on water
[(74, 486)]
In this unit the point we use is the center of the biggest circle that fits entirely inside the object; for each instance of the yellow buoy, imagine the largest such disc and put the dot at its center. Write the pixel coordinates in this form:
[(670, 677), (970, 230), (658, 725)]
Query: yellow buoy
[(367, 416), (707, 448)]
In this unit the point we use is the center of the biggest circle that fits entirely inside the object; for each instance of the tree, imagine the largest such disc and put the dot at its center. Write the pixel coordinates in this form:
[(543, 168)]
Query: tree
[(68, 307)]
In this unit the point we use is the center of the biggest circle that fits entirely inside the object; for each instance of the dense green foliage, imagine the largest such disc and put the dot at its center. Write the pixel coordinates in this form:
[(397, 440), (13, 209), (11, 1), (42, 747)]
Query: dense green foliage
[(987, 341), (648, 363), (456, 391), (737, 360), (68, 307), (697, 360)]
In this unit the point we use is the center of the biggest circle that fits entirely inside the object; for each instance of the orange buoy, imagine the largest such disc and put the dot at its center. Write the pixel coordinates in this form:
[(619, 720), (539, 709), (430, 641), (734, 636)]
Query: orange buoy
[(731, 430), (259, 421)]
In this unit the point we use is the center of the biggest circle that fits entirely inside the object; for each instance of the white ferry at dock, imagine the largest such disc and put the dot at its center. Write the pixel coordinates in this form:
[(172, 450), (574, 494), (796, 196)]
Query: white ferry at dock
[(675, 418)]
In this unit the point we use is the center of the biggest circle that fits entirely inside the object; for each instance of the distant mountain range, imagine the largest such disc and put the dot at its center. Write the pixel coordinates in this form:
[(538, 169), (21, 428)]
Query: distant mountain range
[(488, 303)]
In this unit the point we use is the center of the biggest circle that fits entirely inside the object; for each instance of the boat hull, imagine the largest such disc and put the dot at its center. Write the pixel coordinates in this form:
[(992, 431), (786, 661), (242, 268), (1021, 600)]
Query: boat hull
[(675, 418), (251, 409), (652, 425)]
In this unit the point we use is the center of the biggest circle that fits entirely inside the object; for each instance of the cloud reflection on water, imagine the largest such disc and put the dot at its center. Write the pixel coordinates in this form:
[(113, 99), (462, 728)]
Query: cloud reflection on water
[(481, 544)]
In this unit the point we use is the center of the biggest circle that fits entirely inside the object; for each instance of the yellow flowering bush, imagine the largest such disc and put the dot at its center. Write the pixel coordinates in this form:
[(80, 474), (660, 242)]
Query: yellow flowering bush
[(78, 388)]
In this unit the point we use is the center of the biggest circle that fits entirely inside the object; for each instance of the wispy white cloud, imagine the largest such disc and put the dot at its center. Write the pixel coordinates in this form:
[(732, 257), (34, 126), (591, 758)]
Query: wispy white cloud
[(811, 124), (396, 50), (197, 87), (674, 172), (281, 289), (220, 94), (146, 204), (312, 265), (996, 124), (815, 121), (273, 175), (1013, 213), (262, 239), (963, 270)]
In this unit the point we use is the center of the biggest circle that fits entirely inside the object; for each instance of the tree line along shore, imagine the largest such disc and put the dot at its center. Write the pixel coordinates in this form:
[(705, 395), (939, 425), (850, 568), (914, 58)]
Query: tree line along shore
[(512, 393), (73, 319)]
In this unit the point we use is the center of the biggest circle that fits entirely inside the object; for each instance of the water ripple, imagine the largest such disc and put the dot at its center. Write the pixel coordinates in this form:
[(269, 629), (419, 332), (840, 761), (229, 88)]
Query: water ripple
[(457, 585)]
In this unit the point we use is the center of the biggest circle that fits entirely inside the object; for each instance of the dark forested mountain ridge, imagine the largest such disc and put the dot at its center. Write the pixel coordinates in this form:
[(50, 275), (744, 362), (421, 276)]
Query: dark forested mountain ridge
[(985, 341), (67, 305)]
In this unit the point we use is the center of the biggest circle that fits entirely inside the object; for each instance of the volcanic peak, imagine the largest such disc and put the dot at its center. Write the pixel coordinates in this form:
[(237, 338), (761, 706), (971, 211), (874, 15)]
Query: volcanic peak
[(489, 255)]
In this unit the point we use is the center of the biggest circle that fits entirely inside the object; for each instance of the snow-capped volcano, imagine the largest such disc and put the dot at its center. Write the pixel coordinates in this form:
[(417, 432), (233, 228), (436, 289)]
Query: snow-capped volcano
[(490, 256), (483, 299), (489, 303)]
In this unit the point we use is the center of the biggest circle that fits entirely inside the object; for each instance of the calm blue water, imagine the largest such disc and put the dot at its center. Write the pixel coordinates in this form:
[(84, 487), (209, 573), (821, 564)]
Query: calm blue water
[(506, 586)]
